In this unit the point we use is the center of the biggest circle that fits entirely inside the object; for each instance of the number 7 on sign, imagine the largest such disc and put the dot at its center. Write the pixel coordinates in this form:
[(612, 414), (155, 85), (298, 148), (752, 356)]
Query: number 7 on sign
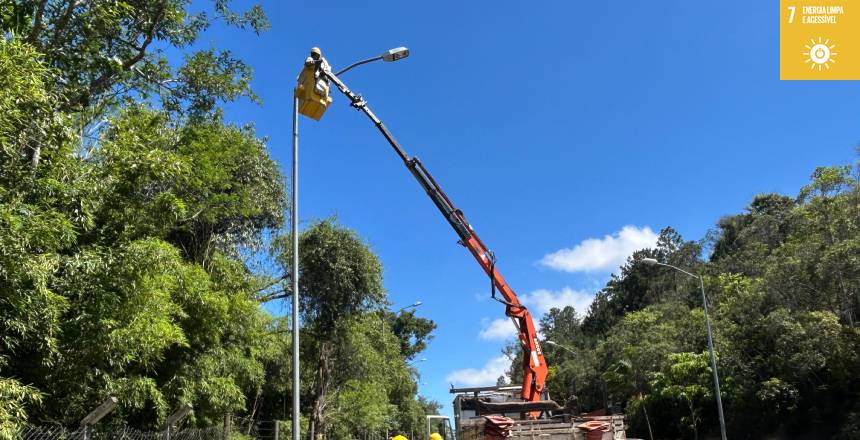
[(791, 14)]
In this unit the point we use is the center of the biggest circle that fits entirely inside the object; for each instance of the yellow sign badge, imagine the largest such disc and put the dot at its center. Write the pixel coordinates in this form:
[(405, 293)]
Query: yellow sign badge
[(819, 39)]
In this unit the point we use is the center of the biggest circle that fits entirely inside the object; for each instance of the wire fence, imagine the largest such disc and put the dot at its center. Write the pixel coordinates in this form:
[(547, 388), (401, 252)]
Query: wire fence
[(257, 430)]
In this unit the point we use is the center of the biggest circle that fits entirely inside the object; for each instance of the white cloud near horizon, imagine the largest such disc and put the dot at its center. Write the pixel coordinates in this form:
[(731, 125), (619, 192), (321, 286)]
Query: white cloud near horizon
[(542, 300), (598, 255), (605, 254), (485, 376), (539, 302), (500, 329)]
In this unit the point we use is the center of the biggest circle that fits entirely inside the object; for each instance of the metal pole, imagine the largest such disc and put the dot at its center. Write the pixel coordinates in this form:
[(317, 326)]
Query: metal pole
[(605, 404), (295, 275), (710, 345), (713, 361)]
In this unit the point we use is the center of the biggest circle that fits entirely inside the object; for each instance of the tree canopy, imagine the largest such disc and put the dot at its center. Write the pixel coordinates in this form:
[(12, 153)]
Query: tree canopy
[(131, 212), (783, 285)]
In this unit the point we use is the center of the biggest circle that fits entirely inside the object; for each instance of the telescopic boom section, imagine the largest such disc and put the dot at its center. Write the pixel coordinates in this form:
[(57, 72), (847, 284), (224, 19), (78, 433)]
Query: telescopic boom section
[(534, 365)]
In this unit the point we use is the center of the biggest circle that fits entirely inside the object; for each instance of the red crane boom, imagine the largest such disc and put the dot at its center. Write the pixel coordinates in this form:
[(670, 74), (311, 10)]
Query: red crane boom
[(534, 364)]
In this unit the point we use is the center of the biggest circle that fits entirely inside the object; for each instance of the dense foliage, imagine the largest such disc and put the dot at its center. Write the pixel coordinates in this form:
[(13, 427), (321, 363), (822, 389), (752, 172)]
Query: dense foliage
[(345, 323), (783, 285), (131, 216)]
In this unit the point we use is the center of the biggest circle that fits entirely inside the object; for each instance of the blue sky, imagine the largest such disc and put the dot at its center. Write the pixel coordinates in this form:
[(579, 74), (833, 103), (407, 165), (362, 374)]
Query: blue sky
[(568, 132)]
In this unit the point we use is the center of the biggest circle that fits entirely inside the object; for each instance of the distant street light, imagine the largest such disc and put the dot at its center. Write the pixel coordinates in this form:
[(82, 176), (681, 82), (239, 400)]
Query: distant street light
[(418, 360), (652, 261), (410, 306), (398, 53), (555, 344), (573, 352)]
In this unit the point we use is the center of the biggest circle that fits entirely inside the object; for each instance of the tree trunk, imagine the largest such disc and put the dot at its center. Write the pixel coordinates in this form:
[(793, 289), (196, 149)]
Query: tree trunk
[(35, 156), (228, 422), (693, 419), (321, 387), (254, 409)]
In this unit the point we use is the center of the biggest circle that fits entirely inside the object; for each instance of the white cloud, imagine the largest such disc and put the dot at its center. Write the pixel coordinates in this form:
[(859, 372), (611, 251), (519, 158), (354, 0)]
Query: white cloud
[(542, 300), (602, 254), (539, 302), (500, 329), (486, 376)]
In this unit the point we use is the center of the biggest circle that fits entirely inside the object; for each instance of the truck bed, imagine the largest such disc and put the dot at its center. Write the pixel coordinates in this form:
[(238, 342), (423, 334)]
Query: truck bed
[(473, 429)]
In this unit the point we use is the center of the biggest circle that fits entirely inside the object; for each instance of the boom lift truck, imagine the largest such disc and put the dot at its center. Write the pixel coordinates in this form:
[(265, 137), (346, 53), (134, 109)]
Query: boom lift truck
[(532, 407)]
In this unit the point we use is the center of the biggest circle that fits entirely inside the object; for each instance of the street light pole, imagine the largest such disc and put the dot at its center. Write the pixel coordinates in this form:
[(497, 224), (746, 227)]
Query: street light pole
[(411, 306), (554, 344), (653, 261), (390, 55), (713, 360), (294, 215)]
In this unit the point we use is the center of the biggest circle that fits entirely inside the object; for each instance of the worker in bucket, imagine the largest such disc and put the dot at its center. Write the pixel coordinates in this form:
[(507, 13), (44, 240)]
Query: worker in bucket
[(316, 59), (399, 437), (435, 436)]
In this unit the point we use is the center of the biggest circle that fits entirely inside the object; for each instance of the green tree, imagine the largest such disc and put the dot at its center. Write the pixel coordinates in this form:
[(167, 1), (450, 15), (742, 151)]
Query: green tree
[(638, 286), (358, 378), (687, 379), (413, 332), (636, 348), (340, 279), (204, 186), (14, 398), (113, 52), (37, 224), (121, 247)]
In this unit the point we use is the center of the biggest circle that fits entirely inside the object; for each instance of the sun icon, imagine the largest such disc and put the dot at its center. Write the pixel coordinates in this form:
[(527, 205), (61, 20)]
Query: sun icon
[(820, 54)]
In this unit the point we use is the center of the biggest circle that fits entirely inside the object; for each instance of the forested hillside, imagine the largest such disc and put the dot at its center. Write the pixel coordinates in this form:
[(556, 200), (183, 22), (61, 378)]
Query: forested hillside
[(783, 284), (133, 218)]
